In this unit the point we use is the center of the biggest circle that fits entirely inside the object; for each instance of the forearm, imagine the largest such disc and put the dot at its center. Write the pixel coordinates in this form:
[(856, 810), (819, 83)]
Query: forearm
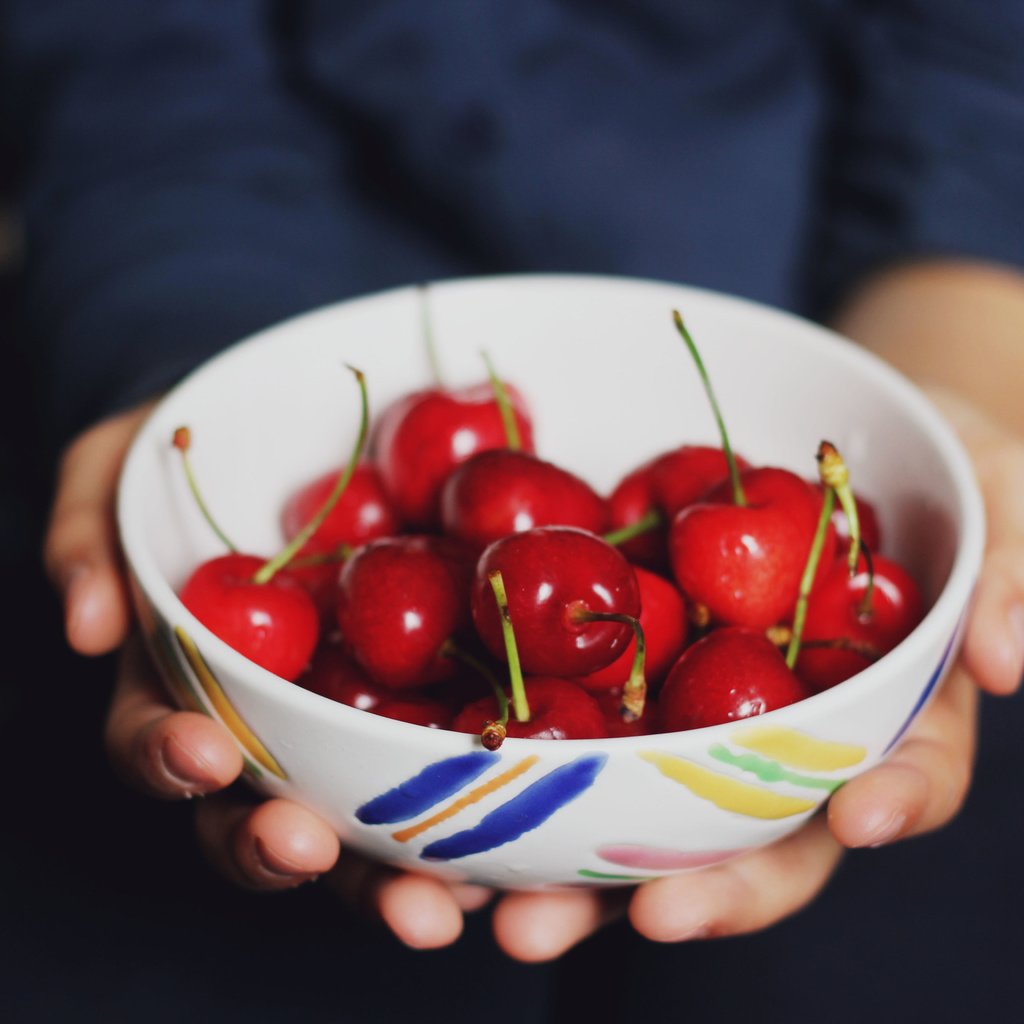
[(958, 326)]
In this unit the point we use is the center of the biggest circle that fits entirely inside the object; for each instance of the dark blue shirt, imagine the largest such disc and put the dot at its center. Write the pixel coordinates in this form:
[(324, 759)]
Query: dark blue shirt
[(198, 170)]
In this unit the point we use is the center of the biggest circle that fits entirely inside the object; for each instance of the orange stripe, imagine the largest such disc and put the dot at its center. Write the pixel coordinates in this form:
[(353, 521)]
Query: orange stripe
[(472, 797)]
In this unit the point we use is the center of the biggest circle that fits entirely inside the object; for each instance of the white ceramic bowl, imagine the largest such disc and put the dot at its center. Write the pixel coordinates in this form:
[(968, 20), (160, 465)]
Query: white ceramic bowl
[(610, 385)]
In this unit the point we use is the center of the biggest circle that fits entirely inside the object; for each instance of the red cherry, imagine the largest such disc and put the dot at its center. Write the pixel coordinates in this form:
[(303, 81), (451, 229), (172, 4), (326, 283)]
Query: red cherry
[(631, 500), (422, 437), (432, 714), (363, 513), (333, 674), (663, 620), (500, 492), (274, 624), (666, 484), (730, 674), (399, 600), (554, 577), (559, 710), (744, 563), (836, 612)]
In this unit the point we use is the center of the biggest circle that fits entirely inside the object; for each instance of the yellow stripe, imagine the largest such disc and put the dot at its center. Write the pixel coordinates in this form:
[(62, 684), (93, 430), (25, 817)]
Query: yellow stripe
[(224, 708), (798, 750), (727, 793), (160, 649), (472, 797)]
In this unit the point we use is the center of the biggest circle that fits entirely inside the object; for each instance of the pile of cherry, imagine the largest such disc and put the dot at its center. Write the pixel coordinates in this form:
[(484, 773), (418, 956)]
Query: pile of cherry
[(449, 577)]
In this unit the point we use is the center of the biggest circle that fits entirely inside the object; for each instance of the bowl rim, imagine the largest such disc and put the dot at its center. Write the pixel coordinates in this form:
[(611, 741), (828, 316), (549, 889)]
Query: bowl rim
[(937, 629)]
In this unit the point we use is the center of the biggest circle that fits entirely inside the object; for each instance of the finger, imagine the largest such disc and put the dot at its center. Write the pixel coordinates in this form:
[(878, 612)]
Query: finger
[(994, 643), (534, 927), (740, 896), (270, 846), (471, 898), (923, 783), (166, 753), (422, 912), (80, 551)]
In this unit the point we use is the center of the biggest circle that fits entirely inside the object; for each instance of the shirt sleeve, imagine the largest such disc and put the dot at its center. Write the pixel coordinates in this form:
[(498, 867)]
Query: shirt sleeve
[(179, 193), (926, 153)]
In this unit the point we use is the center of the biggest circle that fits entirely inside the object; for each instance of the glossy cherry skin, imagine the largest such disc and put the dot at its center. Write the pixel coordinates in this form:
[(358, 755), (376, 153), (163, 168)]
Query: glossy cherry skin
[(499, 492), (664, 622), (744, 564), (835, 612), (423, 436), (274, 624), (552, 573), (730, 674), (363, 512), (333, 674), (559, 710), (399, 600), (666, 484)]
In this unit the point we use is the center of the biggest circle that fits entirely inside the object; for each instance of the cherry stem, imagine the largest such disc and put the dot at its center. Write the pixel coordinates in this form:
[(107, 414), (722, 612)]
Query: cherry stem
[(183, 442), (864, 609), (508, 416), (833, 473), (520, 707), (341, 553), (427, 330), (651, 520), (807, 580), (267, 571), (738, 497), (634, 693), (494, 732), (844, 643)]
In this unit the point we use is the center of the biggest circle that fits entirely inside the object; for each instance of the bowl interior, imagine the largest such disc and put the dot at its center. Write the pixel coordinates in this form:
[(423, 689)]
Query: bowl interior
[(607, 377)]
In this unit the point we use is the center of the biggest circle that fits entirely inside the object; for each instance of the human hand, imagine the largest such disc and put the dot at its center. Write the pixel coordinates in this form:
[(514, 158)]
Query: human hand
[(922, 785), (919, 788), (994, 643), (176, 755)]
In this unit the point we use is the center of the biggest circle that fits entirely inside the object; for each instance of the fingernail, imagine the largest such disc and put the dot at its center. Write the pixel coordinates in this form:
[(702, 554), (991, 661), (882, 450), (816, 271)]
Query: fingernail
[(277, 866), (885, 831), (180, 765)]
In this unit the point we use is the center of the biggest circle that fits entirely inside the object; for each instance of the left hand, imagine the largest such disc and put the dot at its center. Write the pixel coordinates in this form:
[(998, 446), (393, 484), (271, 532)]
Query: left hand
[(919, 788)]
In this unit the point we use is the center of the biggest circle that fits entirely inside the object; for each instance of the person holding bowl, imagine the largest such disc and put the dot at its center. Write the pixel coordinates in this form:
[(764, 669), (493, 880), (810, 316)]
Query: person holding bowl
[(197, 173)]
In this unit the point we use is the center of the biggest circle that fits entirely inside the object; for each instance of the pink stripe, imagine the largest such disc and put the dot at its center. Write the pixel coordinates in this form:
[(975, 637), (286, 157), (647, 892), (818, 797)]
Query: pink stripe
[(651, 858)]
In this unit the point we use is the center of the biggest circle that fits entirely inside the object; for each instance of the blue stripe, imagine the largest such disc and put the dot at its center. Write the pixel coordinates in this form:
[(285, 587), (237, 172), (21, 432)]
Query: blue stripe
[(435, 783), (531, 808)]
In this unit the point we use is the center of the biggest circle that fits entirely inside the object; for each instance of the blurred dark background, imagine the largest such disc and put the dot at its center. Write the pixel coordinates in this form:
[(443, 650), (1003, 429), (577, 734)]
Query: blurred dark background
[(110, 914)]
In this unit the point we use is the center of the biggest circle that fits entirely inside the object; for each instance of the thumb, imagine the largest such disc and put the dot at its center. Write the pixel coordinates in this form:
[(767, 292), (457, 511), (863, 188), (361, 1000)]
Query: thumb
[(81, 552)]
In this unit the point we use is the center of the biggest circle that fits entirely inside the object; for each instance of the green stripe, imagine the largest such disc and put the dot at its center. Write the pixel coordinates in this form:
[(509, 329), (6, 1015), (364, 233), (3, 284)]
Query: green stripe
[(615, 878), (771, 771)]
